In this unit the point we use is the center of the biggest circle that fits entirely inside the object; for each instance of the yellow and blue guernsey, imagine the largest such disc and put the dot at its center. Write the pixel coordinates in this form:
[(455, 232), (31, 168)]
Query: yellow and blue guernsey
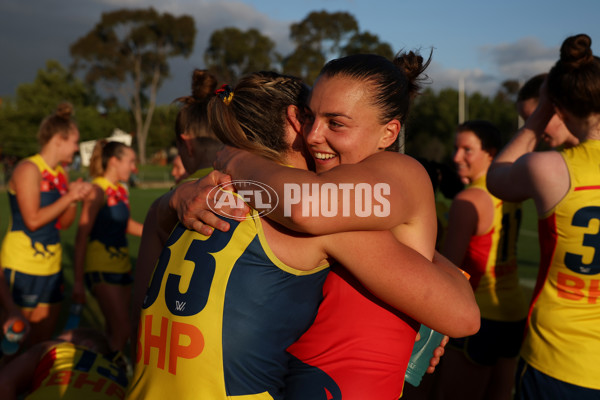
[(218, 315), (36, 252), (491, 260), (71, 372), (563, 332), (107, 246)]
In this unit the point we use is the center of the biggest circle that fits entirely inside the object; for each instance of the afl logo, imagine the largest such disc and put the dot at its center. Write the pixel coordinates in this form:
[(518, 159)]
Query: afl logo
[(222, 201)]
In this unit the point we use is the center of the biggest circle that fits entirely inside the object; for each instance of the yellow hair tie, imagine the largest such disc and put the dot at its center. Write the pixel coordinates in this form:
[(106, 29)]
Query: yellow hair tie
[(225, 93)]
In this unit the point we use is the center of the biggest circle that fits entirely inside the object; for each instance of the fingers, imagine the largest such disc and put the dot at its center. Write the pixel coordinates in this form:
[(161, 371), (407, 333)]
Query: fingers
[(224, 181), (205, 223), (445, 341), (204, 229), (80, 189), (438, 352), (213, 221)]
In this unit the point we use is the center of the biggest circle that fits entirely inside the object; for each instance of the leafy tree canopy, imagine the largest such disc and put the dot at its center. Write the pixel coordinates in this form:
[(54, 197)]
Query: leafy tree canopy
[(232, 53), (130, 49), (318, 37), (366, 42)]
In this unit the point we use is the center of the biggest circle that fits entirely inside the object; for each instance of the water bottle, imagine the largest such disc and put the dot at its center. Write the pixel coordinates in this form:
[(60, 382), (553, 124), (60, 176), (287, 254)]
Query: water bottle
[(421, 355), (74, 316), (10, 341)]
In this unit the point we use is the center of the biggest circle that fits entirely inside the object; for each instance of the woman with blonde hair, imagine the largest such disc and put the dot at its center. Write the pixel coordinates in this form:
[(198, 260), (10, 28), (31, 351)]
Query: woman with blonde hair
[(101, 253), (42, 201), (233, 302), (358, 346)]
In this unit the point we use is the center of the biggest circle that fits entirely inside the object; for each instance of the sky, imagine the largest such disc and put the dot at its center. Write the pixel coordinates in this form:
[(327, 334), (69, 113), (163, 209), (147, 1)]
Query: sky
[(483, 42)]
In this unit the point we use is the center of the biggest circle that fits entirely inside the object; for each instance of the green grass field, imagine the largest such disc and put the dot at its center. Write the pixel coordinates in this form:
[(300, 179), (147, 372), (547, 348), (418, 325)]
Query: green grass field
[(141, 199)]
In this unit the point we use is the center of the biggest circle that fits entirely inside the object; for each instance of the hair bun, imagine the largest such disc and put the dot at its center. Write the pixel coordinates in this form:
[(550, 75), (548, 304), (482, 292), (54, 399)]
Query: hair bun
[(203, 88), (64, 110), (203, 84), (411, 64), (576, 50)]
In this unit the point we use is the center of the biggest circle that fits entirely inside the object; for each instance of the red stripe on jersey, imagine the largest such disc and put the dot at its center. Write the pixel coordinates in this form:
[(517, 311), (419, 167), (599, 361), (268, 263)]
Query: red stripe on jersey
[(548, 239), (594, 187), (43, 368)]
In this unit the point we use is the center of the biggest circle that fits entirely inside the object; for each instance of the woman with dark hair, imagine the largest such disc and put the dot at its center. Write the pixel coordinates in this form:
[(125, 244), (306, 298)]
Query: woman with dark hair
[(101, 252), (481, 238), (358, 347), (42, 201), (556, 133), (559, 357), (233, 302)]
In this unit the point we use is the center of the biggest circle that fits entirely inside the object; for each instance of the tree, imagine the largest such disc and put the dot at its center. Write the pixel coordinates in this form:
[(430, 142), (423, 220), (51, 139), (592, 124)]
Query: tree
[(129, 51), (304, 62), (432, 122), (511, 88), (232, 53), (22, 116), (366, 42), (318, 37)]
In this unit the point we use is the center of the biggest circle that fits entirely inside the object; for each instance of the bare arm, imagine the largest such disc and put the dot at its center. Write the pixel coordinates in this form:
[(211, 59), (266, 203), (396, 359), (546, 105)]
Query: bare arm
[(82, 189), (26, 184), (518, 173), (436, 294), (509, 177), (134, 228), (395, 184), (68, 216), (190, 203), (462, 224), (156, 230), (89, 211)]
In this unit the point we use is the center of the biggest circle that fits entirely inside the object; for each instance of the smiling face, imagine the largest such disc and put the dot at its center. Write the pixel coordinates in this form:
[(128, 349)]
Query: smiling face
[(470, 159), (68, 145), (125, 164), (344, 127)]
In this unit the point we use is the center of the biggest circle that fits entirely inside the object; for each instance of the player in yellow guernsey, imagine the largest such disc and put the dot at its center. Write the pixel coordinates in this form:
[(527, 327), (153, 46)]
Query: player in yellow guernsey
[(222, 332), (561, 347), (491, 260), (77, 365), (197, 147), (107, 248), (41, 202), (101, 242), (38, 251), (220, 311), (481, 238)]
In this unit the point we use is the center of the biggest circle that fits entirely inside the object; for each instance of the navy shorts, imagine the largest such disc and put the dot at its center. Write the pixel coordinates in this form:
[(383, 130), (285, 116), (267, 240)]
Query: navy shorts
[(30, 290), (94, 277), (531, 384), (495, 340)]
